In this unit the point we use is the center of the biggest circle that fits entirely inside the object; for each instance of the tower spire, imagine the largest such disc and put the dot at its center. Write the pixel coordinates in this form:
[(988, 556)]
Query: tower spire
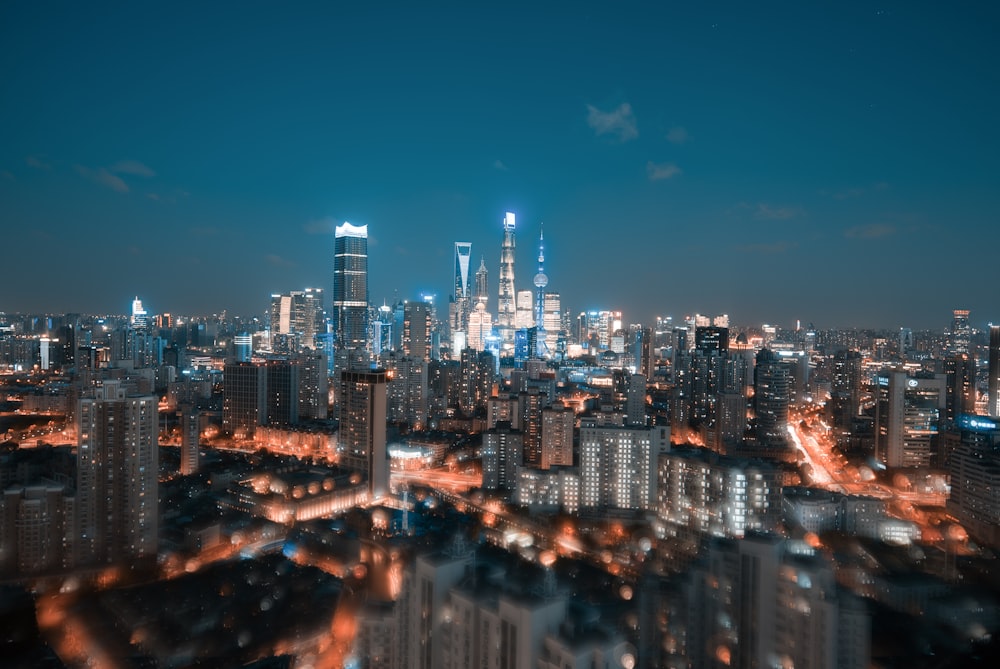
[(541, 281)]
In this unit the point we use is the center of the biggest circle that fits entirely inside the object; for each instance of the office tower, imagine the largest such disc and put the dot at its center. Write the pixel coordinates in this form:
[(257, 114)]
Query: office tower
[(190, 437), (552, 320), (480, 327), (349, 315), (961, 331), (417, 335), (993, 384), (905, 341), (243, 345), (635, 400), (524, 314), (382, 331), (138, 319), (975, 479), (845, 390), (771, 399), (502, 454), (482, 290), (362, 427), (618, 466), (463, 288), (281, 393), (506, 307), (117, 475), (244, 399), (711, 339), (961, 372), (296, 319), (557, 437), (907, 414)]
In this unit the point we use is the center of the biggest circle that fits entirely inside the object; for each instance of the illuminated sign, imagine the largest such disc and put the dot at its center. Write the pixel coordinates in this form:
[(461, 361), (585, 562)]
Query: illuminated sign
[(977, 423)]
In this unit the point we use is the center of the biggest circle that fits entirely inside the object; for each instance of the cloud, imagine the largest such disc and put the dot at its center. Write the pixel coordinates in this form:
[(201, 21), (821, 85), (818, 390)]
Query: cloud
[(153, 196), (37, 163), (767, 247), (498, 164), (204, 231), (7, 175), (764, 211), (133, 167), (678, 135), (871, 231), (103, 177), (619, 122), (659, 171), (277, 261), (319, 226)]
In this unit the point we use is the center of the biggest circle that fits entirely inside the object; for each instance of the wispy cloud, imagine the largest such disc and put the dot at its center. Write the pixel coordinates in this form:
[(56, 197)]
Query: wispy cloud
[(851, 193), (619, 122), (103, 177), (498, 164), (871, 231), (37, 162), (319, 226), (678, 135), (764, 211), (204, 231), (7, 175), (767, 248), (277, 261), (133, 167), (660, 171)]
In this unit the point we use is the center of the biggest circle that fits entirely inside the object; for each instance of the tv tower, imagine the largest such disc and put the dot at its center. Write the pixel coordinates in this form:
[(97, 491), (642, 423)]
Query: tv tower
[(540, 282)]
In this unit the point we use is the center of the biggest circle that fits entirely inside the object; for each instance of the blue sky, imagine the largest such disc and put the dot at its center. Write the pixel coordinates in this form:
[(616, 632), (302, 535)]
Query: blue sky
[(835, 164)]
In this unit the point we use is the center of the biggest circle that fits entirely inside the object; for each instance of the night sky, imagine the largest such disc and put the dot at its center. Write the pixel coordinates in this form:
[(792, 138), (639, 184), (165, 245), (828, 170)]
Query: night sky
[(774, 161)]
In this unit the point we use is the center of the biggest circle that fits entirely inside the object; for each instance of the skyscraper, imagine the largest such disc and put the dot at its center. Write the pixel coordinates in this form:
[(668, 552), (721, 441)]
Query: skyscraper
[(506, 305), (117, 475), (993, 387), (771, 399), (362, 427), (961, 331), (463, 297), (350, 286), (541, 280)]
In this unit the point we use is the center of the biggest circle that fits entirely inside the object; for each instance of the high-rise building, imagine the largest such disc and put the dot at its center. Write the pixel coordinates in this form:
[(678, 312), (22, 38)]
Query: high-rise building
[(618, 466), (557, 437), (117, 475), (993, 385), (296, 318), (502, 455), (463, 288), (961, 331), (552, 320), (907, 413), (417, 330), (506, 307), (482, 291), (362, 436), (190, 437), (771, 399), (349, 315), (524, 314), (138, 320), (244, 399)]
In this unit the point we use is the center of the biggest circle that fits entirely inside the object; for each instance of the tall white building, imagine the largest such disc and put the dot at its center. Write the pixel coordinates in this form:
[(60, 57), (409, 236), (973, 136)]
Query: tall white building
[(506, 307)]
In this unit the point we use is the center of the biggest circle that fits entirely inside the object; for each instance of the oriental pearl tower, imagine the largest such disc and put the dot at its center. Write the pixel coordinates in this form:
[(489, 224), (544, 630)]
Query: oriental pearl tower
[(540, 282)]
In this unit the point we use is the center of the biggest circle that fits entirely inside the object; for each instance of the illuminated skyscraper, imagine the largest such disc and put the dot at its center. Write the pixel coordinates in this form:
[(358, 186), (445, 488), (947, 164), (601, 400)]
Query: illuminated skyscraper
[(482, 283), (138, 320), (463, 297), (961, 331), (350, 286), (506, 307), (993, 387)]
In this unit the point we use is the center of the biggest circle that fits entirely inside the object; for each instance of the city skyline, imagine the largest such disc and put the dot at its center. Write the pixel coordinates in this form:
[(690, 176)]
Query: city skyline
[(830, 166)]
